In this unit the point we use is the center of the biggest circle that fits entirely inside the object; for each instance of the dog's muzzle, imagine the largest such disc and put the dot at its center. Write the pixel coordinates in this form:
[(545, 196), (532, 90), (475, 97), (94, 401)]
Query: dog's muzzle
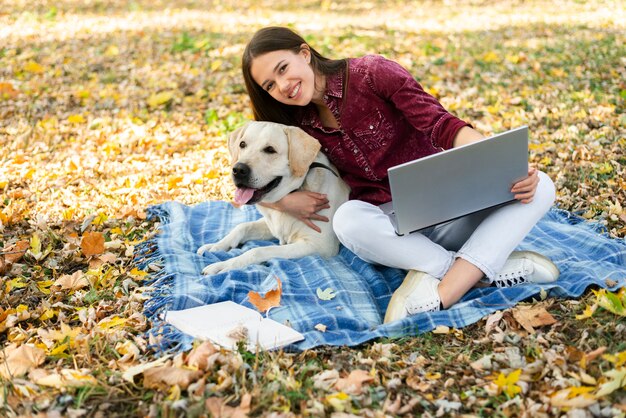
[(246, 194)]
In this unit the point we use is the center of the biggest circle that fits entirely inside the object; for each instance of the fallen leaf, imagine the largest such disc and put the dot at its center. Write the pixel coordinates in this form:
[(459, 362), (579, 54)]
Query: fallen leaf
[(441, 329), (353, 384), (321, 327), (165, 376), (326, 294), (198, 357), (129, 375), (508, 383), (270, 300), (75, 281), (566, 398), (616, 380), (530, 317), (92, 244), (19, 360), (219, 408), (7, 91), (64, 378)]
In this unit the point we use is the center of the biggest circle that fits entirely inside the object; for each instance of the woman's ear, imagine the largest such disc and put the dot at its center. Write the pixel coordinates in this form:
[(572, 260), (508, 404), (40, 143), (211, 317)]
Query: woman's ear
[(306, 52)]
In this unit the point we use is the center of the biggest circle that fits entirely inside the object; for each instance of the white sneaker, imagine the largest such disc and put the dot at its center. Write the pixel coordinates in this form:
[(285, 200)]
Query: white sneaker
[(526, 267), (417, 293)]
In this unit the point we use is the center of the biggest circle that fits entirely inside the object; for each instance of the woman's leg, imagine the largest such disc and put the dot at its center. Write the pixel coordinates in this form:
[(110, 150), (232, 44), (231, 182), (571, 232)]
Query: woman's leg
[(366, 231)]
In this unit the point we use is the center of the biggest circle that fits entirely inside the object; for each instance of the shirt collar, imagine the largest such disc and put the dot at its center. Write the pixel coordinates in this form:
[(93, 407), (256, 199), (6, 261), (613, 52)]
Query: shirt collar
[(334, 88)]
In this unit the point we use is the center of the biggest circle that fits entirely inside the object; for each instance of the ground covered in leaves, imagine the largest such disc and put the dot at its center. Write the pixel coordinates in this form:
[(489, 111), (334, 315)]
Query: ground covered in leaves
[(109, 107)]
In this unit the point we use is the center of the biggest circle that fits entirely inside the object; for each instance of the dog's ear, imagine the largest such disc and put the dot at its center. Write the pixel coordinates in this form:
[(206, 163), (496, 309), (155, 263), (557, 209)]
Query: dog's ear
[(232, 141), (303, 149)]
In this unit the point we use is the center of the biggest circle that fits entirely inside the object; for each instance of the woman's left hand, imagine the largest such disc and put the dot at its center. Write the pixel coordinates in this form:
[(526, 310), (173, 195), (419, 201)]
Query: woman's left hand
[(524, 190)]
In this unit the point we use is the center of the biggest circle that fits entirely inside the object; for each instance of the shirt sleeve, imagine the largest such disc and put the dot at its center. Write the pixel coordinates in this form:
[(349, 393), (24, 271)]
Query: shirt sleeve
[(394, 83)]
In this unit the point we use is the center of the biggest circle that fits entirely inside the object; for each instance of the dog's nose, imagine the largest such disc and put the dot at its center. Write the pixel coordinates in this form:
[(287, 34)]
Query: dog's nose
[(241, 171)]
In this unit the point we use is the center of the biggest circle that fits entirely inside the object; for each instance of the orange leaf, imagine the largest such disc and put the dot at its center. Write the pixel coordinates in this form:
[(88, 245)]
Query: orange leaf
[(16, 251), (271, 298), (7, 91), (530, 317), (92, 244), (353, 384)]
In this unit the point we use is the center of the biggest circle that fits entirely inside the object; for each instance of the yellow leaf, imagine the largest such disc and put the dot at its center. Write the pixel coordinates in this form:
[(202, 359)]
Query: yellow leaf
[(138, 274), (78, 118), (100, 219), (33, 67), (173, 182), (83, 94), (215, 65), (47, 314), (60, 349), (588, 312), (112, 51), (616, 380), (159, 99), (508, 383), (44, 286), (491, 56), (68, 214), (112, 322)]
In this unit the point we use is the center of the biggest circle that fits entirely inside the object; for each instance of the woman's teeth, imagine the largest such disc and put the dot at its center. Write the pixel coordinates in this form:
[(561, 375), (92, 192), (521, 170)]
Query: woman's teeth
[(295, 91)]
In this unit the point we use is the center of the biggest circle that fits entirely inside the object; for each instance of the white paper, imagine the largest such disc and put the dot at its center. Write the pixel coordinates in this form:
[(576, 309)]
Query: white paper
[(217, 322)]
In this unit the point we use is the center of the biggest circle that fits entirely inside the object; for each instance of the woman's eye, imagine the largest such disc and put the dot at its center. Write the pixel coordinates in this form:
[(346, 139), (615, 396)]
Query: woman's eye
[(242, 144), (269, 86), (282, 69), (269, 150)]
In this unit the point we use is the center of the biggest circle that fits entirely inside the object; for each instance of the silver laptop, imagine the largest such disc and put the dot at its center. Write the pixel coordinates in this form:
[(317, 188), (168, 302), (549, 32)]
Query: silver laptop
[(456, 182)]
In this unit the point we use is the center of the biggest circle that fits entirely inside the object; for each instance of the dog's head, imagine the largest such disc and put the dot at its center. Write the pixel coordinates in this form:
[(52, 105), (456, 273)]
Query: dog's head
[(269, 160)]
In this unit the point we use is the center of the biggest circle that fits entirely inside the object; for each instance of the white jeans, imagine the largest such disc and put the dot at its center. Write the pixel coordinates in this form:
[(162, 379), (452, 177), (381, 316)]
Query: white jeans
[(485, 239)]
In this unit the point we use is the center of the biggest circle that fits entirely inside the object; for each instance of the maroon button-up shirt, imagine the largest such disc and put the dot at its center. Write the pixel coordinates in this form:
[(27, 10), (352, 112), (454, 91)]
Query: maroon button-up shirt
[(385, 119)]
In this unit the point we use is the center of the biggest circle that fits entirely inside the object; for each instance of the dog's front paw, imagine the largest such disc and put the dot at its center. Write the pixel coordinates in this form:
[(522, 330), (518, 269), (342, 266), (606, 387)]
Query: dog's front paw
[(215, 268), (205, 248)]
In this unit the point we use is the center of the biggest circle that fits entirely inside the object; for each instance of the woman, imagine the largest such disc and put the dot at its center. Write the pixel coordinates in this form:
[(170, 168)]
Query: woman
[(370, 114)]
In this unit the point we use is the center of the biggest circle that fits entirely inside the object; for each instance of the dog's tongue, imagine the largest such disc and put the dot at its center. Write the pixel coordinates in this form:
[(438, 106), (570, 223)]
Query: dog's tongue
[(243, 195)]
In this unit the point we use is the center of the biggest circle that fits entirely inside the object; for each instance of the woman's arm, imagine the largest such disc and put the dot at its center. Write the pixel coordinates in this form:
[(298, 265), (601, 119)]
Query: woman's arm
[(302, 205), (466, 135)]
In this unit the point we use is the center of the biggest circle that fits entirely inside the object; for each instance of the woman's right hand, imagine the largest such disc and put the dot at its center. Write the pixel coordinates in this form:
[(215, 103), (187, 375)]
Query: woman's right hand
[(304, 205)]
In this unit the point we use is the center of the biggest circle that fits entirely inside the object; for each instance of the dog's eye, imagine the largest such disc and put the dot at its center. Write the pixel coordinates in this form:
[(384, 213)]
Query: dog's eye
[(269, 150), (242, 144)]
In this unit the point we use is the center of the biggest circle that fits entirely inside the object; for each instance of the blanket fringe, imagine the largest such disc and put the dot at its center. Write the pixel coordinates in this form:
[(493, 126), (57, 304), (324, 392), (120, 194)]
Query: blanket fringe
[(163, 338)]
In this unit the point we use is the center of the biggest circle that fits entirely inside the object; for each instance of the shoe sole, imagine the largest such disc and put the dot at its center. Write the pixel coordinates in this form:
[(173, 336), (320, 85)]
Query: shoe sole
[(538, 259), (395, 309)]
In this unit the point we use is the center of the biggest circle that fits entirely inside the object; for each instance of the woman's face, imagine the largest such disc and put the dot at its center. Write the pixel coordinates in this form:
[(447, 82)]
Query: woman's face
[(286, 76)]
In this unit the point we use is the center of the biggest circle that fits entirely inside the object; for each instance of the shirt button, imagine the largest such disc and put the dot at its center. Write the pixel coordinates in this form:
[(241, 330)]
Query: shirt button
[(325, 97), (367, 169), (371, 126), (356, 150), (326, 149)]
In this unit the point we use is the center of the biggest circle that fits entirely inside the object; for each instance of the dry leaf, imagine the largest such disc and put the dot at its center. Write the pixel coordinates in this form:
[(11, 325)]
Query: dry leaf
[(532, 316), (19, 360), (92, 244), (320, 327), (218, 407), (165, 376), (198, 357), (270, 300), (75, 281), (353, 384), (129, 375), (12, 254)]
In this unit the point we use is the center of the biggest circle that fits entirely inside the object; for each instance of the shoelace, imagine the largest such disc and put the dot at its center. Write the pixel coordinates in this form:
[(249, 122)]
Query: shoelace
[(516, 277), (429, 306)]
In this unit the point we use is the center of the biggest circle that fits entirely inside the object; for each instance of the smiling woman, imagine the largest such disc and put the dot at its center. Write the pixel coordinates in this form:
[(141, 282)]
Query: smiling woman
[(370, 114)]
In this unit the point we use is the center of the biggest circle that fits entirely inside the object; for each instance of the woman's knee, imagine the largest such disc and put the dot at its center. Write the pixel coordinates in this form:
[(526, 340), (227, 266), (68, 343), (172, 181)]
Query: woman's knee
[(346, 220), (546, 191)]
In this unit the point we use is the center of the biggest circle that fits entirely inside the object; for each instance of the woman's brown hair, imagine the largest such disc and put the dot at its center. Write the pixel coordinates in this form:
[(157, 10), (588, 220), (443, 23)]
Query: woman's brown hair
[(275, 38)]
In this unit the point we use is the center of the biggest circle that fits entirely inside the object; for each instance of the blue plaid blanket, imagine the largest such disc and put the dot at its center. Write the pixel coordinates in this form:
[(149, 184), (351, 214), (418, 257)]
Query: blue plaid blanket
[(583, 252)]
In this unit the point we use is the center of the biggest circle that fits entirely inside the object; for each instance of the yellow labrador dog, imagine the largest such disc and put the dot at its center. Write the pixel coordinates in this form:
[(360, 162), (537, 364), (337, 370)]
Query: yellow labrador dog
[(270, 161)]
